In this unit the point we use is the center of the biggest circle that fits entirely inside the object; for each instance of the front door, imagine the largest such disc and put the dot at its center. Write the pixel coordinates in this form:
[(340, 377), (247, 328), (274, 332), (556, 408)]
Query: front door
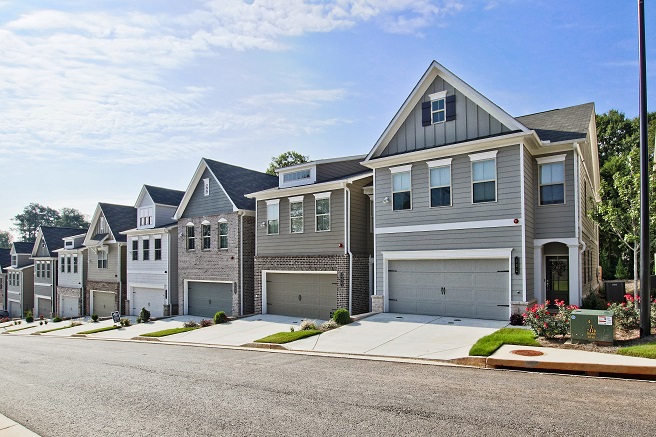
[(557, 279)]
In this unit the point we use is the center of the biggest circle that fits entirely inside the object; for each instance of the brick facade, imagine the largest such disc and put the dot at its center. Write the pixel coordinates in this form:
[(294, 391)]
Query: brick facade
[(218, 264), (72, 292), (106, 286), (338, 263)]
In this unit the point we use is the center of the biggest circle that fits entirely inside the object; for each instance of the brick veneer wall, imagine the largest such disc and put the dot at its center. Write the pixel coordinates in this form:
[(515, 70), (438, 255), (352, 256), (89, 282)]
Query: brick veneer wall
[(338, 263), (106, 286), (218, 264), (72, 292)]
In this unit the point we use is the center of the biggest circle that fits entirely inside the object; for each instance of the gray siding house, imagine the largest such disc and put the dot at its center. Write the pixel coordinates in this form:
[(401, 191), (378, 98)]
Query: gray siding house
[(71, 276), (48, 241), (20, 279), (478, 214), (106, 249), (314, 240), (5, 261), (152, 262), (216, 239)]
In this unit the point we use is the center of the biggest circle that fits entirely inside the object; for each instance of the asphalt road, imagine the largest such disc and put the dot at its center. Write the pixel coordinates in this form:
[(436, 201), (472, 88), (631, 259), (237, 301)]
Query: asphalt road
[(71, 387)]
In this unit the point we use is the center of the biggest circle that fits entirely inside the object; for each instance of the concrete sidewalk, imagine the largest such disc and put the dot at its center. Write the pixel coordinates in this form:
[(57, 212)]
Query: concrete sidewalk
[(9, 428)]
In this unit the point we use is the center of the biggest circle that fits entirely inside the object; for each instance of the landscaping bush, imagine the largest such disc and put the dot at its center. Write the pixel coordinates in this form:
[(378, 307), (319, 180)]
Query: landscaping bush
[(307, 325), (125, 322), (220, 317), (4, 320), (517, 319), (138, 319), (144, 315), (28, 316), (327, 326), (594, 301), (94, 317), (57, 319), (205, 323), (190, 324), (545, 324), (342, 317), (626, 314)]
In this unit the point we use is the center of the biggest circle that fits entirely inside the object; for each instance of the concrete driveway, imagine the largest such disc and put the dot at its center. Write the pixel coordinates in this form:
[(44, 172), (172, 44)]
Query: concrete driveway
[(403, 335)]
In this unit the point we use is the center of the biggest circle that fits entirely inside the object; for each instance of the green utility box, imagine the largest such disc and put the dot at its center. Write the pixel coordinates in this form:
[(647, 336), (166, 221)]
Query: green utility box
[(592, 326)]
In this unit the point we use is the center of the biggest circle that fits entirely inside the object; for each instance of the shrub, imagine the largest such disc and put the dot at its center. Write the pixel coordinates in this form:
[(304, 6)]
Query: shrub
[(4, 320), (45, 321), (545, 324), (205, 323), (627, 314), (94, 317), (40, 322), (517, 319), (57, 319), (138, 319), (307, 325), (144, 315), (291, 329), (327, 326), (29, 318), (220, 317), (342, 317), (594, 301), (125, 322), (190, 324)]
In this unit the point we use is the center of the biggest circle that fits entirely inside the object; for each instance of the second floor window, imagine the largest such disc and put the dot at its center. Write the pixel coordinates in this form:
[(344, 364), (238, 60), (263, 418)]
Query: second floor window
[(68, 263), (322, 213), (223, 235), (158, 249), (62, 263), (206, 231), (14, 260), (135, 250), (146, 249), (296, 216), (273, 211), (191, 237), (47, 265), (145, 216), (74, 263), (484, 180), (102, 259), (401, 191), (440, 186), (552, 183)]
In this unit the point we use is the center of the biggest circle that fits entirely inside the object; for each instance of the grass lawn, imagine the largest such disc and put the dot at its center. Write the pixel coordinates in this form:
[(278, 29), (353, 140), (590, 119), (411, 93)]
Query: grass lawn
[(487, 345), (93, 331), (165, 332), (642, 350), (21, 329), (286, 337), (57, 329)]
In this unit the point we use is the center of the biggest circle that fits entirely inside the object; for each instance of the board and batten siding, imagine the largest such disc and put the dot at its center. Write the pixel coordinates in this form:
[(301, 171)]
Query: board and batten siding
[(507, 206), (200, 205), (111, 273), (529, 221), (360, 218), (471, 122), (556, 221), (309, 242)]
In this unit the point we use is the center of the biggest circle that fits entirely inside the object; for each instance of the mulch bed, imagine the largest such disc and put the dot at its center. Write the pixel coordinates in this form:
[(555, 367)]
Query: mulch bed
[(622, 338)]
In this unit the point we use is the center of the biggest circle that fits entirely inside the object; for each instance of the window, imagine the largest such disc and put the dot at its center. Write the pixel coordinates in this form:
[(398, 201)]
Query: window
[(135, 250), (206, 186), (401, 188), (438, 111), (102, 225), (14, 260), (102, 259), (273, 212), (158, 249), (440, 182), (371, 215), (205, 230), (74, 263), (191, 239), (552, 183), (322, 211), (37, 269), (223, 235), (145, 216), (68, 263), (47, 269), (62, 263), (296, 175), (145, 249), (296, 215), (484, 177)]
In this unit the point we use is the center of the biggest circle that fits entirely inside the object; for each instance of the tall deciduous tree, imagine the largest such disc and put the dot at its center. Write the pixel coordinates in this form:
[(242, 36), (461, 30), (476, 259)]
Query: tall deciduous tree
[(285, 159), (71, 218), (33, 216), (5, 240)]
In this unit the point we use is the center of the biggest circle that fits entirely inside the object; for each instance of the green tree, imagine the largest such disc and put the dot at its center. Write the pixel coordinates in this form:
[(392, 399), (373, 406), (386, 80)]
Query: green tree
[(71, 218), (285, 159), (5, 240), (33, 216)]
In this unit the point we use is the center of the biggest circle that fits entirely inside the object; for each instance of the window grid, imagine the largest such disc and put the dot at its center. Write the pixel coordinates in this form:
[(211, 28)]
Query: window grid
[(438, 111), (322, 213), (484, 181), (206, 234), (223, 235), (135, 250), (552, 183), (440, 186), (401, 191), (191, 241), (158, 249), (145, 248), (273, 214), (296, 217)]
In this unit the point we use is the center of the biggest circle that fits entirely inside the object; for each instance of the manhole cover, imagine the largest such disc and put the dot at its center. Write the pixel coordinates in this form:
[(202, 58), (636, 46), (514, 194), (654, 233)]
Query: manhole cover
[(527, 353)]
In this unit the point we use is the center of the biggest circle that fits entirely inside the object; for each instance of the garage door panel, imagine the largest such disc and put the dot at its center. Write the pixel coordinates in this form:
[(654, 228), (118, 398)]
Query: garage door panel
[(151, 299), (104, 303), (43, 308), (207, 298), (318, 294), (15, 309), (70, 306)]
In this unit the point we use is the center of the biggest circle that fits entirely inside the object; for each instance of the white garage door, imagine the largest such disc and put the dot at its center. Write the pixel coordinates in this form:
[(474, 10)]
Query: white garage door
[(69, 306), (104, 303), (14, 309), (476, 289), (312, 295), (43, 308), (151, 299)]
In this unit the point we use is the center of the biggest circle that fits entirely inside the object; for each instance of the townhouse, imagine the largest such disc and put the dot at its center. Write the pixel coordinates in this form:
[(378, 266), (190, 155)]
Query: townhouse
[(314, 240), (5, 261), (152, 264), (477, 213), (20, 279), (72, 275), (216, 239)]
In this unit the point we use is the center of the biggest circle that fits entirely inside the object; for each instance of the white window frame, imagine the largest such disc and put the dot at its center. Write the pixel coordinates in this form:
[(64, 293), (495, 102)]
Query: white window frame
[(317, 197), (62, 263), (102, 260), (223, 224), (146, 216), (157, 251), (548, 160), (479, 157), (135, 249), (440, 163), (68, 263), (74, 262), (190, 240), (397, 170), (297, 182), (270, 216), (14, 260), (434, 98), (293, 200), (206, 186), (48, 269), (145, 249), (206, 237)]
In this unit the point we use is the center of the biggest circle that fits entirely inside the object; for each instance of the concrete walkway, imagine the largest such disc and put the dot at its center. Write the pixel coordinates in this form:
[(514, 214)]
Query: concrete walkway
[(9, 428)]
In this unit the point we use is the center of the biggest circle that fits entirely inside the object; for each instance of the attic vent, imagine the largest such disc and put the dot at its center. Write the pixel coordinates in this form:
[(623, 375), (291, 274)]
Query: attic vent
[(296, 175)]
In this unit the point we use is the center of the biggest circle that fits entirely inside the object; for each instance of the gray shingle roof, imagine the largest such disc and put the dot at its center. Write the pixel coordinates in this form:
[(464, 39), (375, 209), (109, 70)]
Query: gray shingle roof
[(563, 124), (165, 196), (23, 247), (54, 236), (119, 218), (238, 181), (5, 258)]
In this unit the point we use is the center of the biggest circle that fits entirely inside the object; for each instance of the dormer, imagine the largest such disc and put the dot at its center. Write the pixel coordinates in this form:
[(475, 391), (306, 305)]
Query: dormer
[(156, 206), (323, 170), (297, 175)]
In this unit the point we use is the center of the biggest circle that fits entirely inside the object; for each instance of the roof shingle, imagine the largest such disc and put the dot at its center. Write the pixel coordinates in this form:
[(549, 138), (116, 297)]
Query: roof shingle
[(119, 218), (238, 181), (563, 124), (54, 237), (165, 196)]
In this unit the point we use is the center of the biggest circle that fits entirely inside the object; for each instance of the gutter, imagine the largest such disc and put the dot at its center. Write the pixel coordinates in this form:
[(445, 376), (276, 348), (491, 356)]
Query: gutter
[(347, 238), (120, 283)]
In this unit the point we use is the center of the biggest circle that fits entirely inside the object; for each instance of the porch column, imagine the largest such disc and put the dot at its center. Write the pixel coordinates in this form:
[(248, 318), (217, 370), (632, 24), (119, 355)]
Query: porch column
[(574, 276), (538, 289)]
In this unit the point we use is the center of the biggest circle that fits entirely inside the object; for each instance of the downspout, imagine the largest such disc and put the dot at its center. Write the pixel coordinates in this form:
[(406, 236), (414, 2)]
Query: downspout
[(120, 282), (241, 261), (347, 238), (577, 211)]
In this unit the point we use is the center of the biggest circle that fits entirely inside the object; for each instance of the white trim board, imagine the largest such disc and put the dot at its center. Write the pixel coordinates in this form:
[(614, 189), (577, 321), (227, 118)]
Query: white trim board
[(447, 254), (478, 224)]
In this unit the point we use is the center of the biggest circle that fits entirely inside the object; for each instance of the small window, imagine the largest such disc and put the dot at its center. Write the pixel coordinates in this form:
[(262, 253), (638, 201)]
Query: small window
[(223, 235), (145, 216), (296, 175), (322, 213), (552, 183), (206, 187), (62, 263), (438, 111), (273, 213), (484, 180), (191, 238), (14, 261), (296, 216), (135, 250), (440, 186), (401, 191), (145, 247), (37, 269), (206, 230), (102, 259), (48, 269), (158, 249), (68, 263), (74, 263)]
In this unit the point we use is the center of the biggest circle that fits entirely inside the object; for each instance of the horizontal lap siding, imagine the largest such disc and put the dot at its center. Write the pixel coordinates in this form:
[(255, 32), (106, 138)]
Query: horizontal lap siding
[(529, 220), (110, 274), (72, 280), (359, 218), (150, 271), (556, 221), (200, 205)]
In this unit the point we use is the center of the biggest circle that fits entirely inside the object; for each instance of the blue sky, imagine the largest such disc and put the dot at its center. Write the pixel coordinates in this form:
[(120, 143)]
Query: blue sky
[(99, 98)]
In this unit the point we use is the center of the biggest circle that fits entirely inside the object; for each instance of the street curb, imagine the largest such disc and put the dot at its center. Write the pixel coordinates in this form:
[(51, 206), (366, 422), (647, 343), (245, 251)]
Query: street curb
[(264, 346), (139, 338), (590, 369), (10, 428)]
